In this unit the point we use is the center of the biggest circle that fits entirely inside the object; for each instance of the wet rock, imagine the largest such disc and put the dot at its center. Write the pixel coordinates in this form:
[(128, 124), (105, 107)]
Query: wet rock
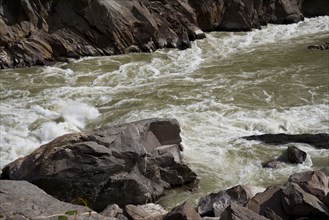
[(312, 8), (313, 182), (215, 203), (148, 211), (317, 140), (325, 46), (274, 163), (22, 200), (296, 155), (114, 164), (236, 212), (298, 203), (183, 212)]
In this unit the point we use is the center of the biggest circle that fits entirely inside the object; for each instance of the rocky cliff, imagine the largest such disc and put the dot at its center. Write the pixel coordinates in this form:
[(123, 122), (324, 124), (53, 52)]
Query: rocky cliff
[(35, 32)]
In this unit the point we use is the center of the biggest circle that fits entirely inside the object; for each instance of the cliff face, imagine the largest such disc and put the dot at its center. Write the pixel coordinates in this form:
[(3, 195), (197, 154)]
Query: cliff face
[(34, 32)]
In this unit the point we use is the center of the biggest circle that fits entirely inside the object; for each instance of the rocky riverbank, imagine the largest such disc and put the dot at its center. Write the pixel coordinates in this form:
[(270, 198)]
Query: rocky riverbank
[(34, 32), (115, 172)]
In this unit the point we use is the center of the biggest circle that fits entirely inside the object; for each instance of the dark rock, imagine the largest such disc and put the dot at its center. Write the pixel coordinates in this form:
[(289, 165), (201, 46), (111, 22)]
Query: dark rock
[(313, 182), (148, 211), (312, 8), (269, 200), (238, 16), (296, 155), (317, 140), (325, 46), (114, 164), (281, 12), (236, 212), (35, 32), (209, 13), (215, 203), (298, 203), (22, 200), (183, 212)]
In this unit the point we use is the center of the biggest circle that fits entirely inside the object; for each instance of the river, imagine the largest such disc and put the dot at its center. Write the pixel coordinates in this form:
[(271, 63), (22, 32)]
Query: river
[(226, 86)]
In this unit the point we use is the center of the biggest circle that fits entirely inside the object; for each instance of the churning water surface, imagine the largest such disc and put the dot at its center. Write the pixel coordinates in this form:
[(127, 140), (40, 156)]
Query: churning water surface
[(226, 86)]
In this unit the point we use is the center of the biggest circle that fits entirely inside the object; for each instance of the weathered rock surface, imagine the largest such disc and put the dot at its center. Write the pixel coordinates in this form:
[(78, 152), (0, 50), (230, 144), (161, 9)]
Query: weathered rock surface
[(115, 164), (148, 211), (303, 196), (298, 203), (314, 182), (317, 140), (236, 212), (184, 211), (34, 32), (22, 200), (215, 203)]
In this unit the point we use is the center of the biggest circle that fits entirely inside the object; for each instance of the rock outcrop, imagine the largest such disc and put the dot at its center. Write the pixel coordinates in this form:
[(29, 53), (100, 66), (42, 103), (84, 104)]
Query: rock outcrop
[(126, 164), (23, 200), (34, 32), (316, 140)]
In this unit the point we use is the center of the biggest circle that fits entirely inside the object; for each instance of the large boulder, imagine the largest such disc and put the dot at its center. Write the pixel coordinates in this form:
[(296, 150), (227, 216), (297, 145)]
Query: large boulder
[(320, 140), (298, 203), (268, 201), (125, 164), (23, 200), (296, 155), (314, 182)]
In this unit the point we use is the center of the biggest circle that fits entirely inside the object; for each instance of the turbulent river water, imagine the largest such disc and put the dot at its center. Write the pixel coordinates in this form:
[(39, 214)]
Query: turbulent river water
[(226, 86)]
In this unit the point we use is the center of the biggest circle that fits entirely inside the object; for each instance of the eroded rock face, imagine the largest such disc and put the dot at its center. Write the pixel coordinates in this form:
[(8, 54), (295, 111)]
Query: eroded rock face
[(184, 211), (115, 164), (34, 32)]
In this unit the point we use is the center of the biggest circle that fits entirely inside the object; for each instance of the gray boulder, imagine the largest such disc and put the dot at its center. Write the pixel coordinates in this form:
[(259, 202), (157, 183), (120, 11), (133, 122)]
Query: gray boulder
[(314, 182), (215, 203), (22, 200), (298, 203), (123, 164)]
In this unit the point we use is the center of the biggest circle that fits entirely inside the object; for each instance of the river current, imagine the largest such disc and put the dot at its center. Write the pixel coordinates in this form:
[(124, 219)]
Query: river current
[(226, 86)]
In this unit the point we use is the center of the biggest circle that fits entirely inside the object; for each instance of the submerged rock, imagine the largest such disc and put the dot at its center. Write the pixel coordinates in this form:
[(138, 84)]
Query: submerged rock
[(317, 140), (325, 46), (116, 164)]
